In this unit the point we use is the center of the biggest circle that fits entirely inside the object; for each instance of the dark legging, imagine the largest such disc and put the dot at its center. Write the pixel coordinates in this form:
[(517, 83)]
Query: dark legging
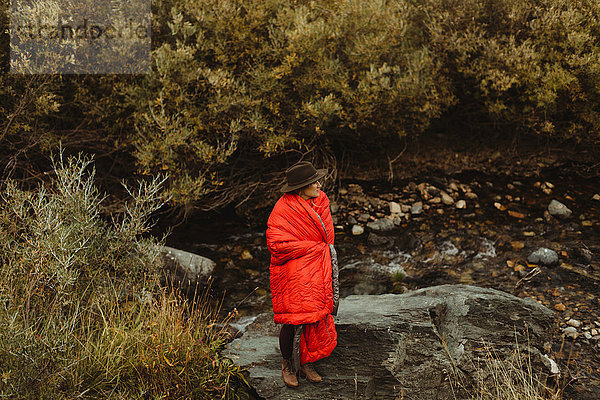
[(286, 340)]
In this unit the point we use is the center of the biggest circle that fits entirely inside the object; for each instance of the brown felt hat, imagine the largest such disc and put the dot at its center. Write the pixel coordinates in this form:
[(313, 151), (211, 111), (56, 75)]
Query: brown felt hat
[(301, 174)]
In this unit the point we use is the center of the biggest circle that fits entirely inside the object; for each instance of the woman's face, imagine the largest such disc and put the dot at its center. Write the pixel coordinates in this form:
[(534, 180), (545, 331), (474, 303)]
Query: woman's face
[(310, 191)]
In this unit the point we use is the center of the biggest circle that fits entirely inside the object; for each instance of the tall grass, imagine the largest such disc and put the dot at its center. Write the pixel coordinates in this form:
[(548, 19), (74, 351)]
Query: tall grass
[(513, 378), (81, 314), (505, 375)]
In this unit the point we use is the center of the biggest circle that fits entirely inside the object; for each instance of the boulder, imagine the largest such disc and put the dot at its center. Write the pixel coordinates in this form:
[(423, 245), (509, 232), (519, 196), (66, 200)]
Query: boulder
[(404, 345), (185, 268)]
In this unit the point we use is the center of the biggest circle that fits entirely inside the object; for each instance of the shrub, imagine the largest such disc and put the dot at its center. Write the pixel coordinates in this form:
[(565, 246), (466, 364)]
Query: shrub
[(80, 311), (240, 88), (531, 65), (236, 78)]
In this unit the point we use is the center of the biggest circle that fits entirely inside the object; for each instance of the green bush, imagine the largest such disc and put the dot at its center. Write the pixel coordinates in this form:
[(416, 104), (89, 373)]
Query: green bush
[(241, 87), (265, 77), (529, 65), (81, 314)]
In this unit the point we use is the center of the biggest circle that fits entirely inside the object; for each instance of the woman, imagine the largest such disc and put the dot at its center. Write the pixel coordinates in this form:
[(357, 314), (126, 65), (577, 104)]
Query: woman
[(303, 272)]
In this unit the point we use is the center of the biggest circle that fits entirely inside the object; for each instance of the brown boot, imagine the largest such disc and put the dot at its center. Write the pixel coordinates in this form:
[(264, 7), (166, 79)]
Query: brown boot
[(309, 372), (289, 377)]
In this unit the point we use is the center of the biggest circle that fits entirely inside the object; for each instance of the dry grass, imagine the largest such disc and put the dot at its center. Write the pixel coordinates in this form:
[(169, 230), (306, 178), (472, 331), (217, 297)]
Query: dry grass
[(502, 376), (81, 315)]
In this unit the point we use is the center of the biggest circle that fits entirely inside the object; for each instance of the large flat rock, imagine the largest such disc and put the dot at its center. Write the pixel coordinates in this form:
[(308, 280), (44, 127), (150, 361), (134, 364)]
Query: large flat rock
[(402, 345)]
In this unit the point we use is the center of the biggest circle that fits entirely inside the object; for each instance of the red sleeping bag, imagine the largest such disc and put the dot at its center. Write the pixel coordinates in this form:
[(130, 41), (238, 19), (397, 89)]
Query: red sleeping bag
[(298, 236)]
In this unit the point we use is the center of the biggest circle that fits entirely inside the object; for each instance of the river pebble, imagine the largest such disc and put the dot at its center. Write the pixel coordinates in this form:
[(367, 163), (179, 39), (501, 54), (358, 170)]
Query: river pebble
[(334, 208), (395, 207), (417, 208), (596, 197), (543, 256), (382, 224), (446, 199), (363, 217), (357, 230), (574, 323), (461, 204), (570, 332), (558, 209)]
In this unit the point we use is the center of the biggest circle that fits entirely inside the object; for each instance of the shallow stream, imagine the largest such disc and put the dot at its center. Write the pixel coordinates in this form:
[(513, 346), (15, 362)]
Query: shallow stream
[(485, 244)]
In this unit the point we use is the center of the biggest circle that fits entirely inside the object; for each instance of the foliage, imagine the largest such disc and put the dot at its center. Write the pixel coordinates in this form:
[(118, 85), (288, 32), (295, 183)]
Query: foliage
[(268, 76), (528, 64), (239, 88), (80, 311)]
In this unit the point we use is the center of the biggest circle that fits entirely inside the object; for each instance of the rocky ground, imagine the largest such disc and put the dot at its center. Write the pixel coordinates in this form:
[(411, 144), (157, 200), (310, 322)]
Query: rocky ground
[(532, 235), (421, 345)]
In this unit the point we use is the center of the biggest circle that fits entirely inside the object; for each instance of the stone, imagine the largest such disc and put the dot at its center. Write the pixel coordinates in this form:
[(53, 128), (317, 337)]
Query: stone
[(574, 323), (550, 364), (558, 209), (364, 217), (543, 256), (446, 198), (184, 267), (570, 332), (596, 197), (471, 195), (405, 208), (381, 225), (377, 240), (334, 208), (461, 204), (246, 255), (395, 207), (417, 208), (352, 220), (357, 230), (395, 346)]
